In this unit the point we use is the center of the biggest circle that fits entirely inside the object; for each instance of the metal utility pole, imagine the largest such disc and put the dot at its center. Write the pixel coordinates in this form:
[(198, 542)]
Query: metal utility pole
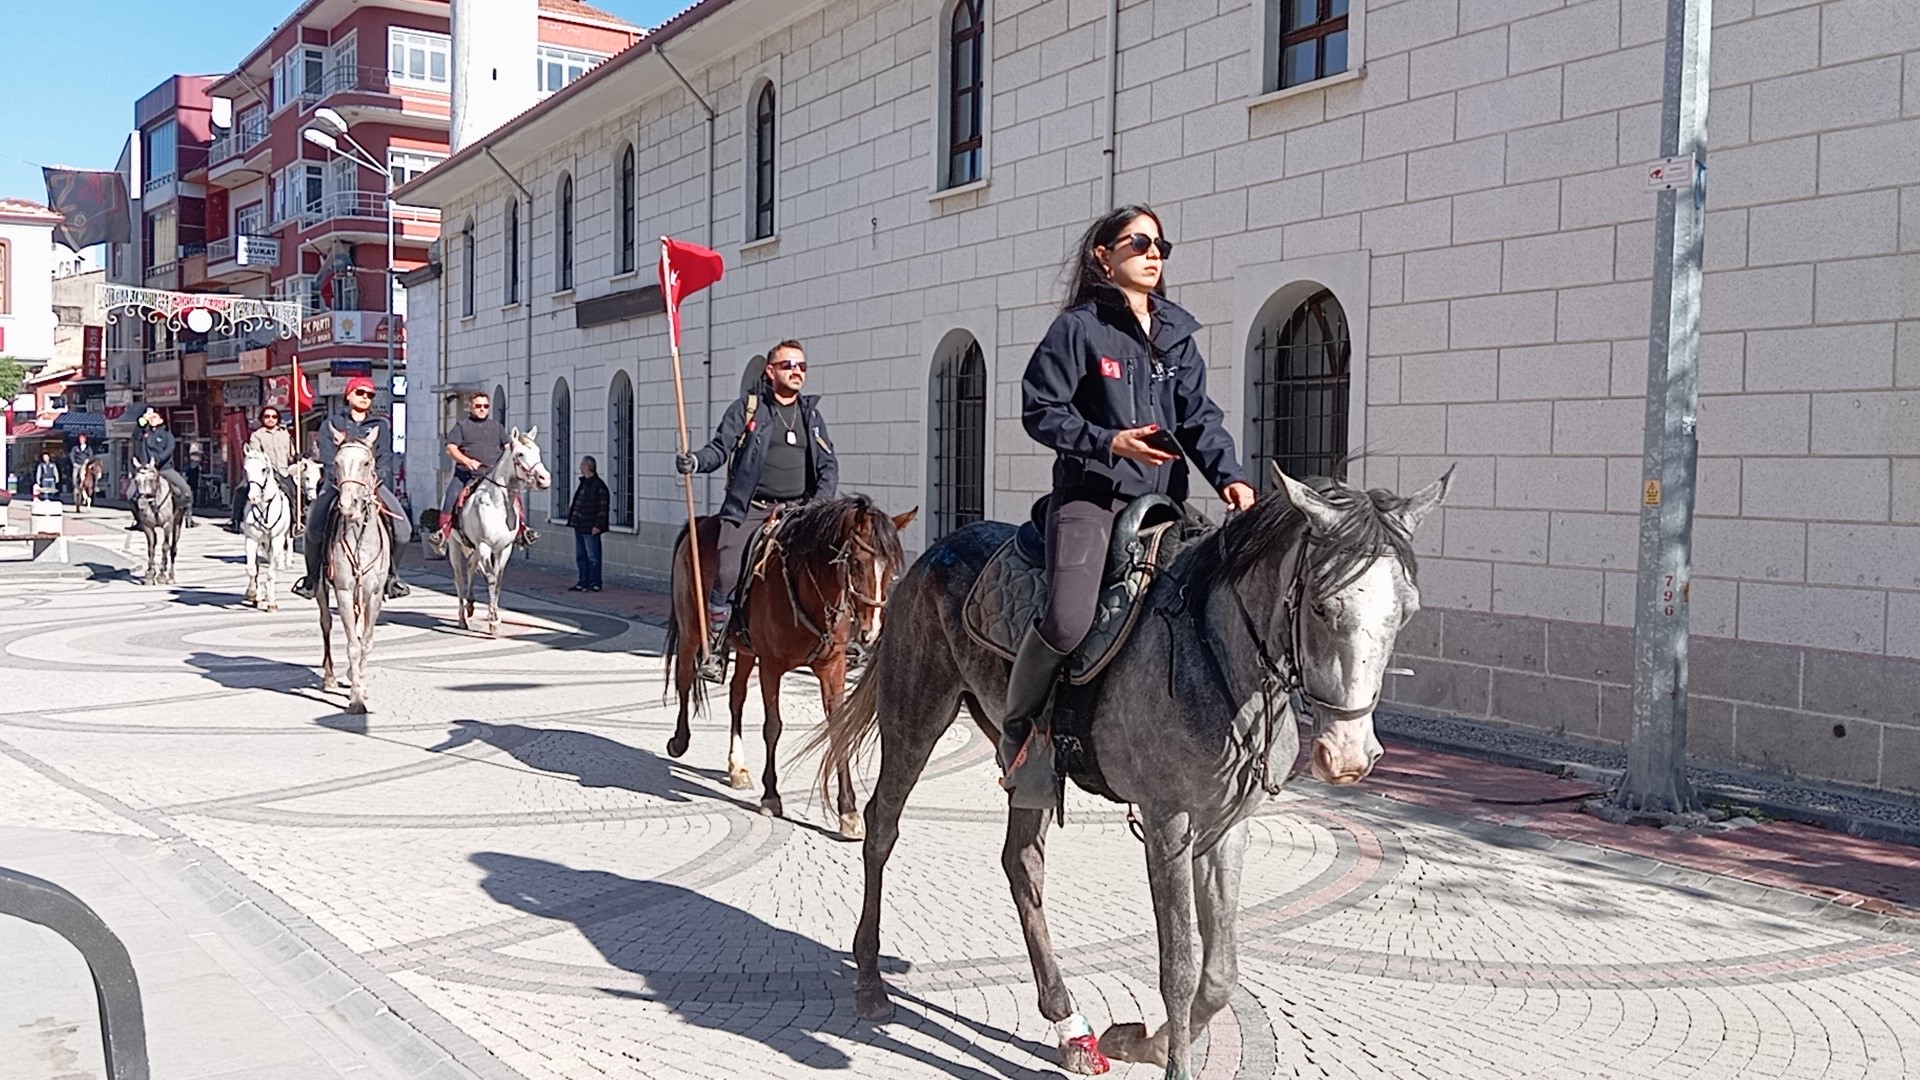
[(1655, 783)]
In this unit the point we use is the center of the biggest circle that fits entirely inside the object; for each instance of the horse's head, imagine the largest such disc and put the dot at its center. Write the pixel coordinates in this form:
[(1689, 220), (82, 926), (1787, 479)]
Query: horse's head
[(259, 470), (356, 473), (524, 448), (1354, 592), (146, 480), (875, 562)]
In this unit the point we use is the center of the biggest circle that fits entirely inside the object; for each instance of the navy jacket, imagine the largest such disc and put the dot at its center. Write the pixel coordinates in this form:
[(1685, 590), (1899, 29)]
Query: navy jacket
[(743, 466), (376, 425), (155, 445), (1095, 373)]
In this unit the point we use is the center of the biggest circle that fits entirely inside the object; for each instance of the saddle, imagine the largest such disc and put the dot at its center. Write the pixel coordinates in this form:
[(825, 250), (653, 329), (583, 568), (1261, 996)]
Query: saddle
[(1011, 591), (517, 514), (759, 548)]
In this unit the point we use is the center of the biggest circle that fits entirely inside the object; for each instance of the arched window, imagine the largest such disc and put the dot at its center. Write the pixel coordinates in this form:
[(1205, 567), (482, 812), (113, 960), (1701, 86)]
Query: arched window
[(966, 90), (629, 199), (619, 465), (500, 404), (1300, 391), (510, 252), (561, 464), (764, 144), (959, 437), (563, 235), (467, 262)]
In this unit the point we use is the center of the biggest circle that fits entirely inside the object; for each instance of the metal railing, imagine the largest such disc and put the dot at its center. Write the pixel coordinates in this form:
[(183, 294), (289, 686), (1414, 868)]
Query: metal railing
[(236, 142), (157, 181), (371, 205), (345, 79), (123, 1025), (245, 249)]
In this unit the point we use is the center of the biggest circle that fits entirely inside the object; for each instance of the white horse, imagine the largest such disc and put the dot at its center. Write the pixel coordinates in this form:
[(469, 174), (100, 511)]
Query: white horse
[(489, 523), (268, 526)]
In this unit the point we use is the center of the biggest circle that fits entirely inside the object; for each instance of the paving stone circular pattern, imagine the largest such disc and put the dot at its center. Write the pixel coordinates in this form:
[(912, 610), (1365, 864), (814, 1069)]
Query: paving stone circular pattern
[(503, 844)]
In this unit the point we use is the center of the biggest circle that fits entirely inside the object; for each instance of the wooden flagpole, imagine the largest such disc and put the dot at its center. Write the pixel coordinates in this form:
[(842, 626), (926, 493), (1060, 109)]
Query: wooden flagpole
[(680, 401)]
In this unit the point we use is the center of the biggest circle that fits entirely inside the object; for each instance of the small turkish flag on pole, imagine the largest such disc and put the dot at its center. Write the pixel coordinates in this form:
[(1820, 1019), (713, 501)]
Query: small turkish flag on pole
[(302, 390), (685, 269)]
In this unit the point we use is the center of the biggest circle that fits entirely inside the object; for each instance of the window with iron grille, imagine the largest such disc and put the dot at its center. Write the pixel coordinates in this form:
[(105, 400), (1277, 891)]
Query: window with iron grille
[(966, 87), (1300, 391), (563, 236), (764, 145), (960, 439), (1310, 43), (562, 466), (629, 195), (620, 450), (511, 250)]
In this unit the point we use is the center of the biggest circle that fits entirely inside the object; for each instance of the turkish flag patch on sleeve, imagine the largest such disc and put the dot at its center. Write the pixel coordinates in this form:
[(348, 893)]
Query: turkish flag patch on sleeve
[(1110, 367)]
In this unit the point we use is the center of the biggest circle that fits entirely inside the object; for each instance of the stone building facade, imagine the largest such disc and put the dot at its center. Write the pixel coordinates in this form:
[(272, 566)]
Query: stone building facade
[(1452, 224)]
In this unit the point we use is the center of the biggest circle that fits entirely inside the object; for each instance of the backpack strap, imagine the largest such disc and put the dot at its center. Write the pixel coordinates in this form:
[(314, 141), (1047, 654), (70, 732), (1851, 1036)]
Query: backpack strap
[(753, 406)]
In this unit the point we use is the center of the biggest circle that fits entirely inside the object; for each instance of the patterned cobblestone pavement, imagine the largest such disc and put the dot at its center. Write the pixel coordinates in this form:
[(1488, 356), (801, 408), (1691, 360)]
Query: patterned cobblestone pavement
[(499, 870)]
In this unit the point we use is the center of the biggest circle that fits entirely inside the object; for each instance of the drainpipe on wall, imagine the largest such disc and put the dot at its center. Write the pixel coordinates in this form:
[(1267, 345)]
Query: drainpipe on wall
[(1111, 146), (526, 199), (712, 138)]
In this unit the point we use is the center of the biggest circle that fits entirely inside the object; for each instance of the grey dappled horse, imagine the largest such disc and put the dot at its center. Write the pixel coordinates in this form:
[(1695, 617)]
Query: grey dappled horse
[(1307, 589), (359, 555), (160, 518), (268, 527), (489, 524)]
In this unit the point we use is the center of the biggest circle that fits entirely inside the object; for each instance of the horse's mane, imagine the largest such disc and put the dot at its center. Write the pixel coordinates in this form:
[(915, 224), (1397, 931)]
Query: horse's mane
[(1368, 527), (829, 526)]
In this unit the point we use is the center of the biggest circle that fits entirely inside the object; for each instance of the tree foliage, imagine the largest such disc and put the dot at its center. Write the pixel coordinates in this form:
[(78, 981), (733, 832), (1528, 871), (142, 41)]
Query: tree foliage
[(13, 375)]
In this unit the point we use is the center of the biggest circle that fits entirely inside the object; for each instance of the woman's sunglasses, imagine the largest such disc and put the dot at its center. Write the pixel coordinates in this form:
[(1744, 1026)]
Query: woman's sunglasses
[(1141, 243)]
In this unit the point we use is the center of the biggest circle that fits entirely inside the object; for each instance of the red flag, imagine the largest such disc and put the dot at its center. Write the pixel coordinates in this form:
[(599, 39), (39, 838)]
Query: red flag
[(685, 269), (302, 392)]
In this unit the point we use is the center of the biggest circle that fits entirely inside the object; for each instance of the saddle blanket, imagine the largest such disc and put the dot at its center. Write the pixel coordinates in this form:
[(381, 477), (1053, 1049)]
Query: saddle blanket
[(1011, 592)]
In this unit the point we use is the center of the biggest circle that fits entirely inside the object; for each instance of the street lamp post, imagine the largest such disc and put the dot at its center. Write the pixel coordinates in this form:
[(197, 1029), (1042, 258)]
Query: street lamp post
[(329, 140)]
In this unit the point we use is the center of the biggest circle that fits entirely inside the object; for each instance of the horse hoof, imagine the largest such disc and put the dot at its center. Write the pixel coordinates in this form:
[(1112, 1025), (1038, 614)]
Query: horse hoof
[(873, 1004), (271, 608), (357, 708), (1081, 1054), (853, 826), (1130, 1042), (771, 806), (739, 778)]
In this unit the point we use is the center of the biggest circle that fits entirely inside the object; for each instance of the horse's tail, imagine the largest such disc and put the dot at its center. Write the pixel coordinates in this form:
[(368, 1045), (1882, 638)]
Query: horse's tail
[(698, 693), (851, 728)]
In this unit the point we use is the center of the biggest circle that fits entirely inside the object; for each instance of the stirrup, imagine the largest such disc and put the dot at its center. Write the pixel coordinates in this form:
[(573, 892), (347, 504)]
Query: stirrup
[(302, 589)]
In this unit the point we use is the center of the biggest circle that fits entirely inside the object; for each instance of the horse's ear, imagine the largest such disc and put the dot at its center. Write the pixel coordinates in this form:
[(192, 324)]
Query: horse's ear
[(339, 437), (533, 434), (513, 434), (901, 521), (1319, 513), (1426, 501)]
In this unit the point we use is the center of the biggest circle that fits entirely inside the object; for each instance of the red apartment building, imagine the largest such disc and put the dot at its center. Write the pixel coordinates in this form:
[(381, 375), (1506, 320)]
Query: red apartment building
[(275, 216)]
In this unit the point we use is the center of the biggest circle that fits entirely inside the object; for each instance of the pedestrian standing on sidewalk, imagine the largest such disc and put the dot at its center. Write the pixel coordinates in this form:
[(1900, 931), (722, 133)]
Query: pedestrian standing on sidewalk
[(588, 517), (46, 479)]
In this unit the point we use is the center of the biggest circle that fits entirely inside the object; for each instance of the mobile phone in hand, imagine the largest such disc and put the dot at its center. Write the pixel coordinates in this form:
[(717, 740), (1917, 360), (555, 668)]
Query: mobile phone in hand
[(1162, 440)]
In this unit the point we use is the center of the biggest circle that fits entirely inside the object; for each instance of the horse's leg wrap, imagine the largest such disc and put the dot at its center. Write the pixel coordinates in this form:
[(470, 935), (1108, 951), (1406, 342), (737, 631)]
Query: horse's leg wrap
[(1079, 1047)]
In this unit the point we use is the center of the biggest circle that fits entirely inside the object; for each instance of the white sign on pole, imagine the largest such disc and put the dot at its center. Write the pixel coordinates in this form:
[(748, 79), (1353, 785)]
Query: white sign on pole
[(1670, 174)]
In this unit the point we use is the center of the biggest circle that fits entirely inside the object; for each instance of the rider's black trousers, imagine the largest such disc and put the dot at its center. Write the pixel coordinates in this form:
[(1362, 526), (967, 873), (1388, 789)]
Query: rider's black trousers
[(1079, 527)]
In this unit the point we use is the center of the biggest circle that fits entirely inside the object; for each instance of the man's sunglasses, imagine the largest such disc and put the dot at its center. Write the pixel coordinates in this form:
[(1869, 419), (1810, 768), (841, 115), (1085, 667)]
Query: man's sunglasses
[(1141, 243), (269, 416), (789, 365)]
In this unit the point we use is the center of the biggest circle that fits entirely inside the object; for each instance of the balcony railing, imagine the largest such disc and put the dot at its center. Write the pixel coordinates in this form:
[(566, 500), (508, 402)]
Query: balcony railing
[(236, 142), (244, 249), (157, 181), (371, 205)]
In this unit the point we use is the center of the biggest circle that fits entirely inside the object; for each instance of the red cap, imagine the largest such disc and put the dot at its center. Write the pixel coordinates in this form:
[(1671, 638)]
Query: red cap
[(361, 382)]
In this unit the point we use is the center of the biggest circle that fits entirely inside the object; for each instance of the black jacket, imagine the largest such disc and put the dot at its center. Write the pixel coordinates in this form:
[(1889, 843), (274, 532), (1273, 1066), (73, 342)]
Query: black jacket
[(1095, 373), (591, 503), (377, 426), (155, 445), (743, 475)]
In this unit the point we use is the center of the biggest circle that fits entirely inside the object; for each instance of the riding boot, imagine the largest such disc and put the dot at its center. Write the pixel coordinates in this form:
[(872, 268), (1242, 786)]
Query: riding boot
[(397, 586), (1035, 668), (713, 667)]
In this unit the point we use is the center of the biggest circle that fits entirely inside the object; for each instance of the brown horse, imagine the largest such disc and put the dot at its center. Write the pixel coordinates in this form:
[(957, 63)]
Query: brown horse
[(818, 590), (86, 482)]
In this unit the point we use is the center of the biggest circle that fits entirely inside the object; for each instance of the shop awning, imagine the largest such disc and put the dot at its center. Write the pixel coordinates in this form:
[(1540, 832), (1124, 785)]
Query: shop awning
[(92, 425), (27, 431)]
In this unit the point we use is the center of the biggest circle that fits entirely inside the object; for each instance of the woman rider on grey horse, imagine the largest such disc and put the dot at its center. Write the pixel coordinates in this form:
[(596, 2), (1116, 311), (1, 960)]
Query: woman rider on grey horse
[(1118, 390)]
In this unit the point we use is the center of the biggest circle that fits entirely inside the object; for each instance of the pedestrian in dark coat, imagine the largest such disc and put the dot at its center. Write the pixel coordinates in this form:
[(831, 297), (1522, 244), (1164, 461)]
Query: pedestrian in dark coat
[(588, 518)]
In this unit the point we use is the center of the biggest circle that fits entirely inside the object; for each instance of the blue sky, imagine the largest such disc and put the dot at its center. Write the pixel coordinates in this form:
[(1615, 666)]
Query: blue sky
[(74, 68)]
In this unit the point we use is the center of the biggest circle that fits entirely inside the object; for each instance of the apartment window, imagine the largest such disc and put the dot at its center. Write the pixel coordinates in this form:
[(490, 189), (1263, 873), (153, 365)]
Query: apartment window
[(510, 252), (252, 125), (620, 450), (418, 58), (6, 277), (563, 235), (563, 466), (408, 165), (250, 220), (343, 175), (629, 196), (343, 63), (160, 151), (765, 136), (466, 268), (959, 438), (1309, 41), (300, 73), (966, 90), (162, 237), (1301, 387), (556, 67)]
